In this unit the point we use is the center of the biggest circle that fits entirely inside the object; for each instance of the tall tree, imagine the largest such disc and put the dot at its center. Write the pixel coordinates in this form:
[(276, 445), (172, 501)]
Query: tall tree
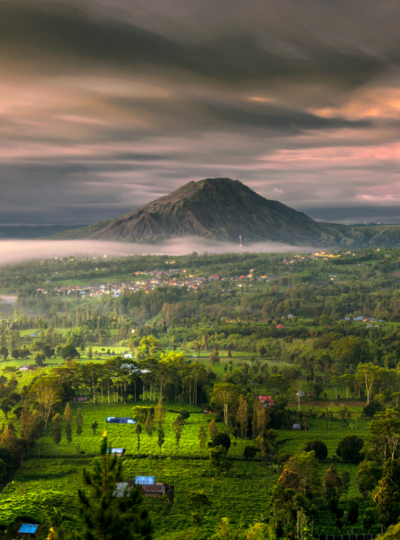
[(79, 427), (138, 431), (149, 428), (56, 430), (202, 438), (225, 394), (242, 418), (104, 513)]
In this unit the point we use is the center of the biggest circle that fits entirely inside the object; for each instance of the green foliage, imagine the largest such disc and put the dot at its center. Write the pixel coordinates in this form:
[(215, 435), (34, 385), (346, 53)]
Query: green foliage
[(103, 513), (319, 448), (349, 449)]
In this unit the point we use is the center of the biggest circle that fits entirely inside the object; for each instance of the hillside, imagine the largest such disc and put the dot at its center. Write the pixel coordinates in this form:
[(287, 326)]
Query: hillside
[(223, 209)]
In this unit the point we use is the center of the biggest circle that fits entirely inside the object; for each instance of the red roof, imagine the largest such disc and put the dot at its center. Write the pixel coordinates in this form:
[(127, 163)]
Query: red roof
[(280, 326)]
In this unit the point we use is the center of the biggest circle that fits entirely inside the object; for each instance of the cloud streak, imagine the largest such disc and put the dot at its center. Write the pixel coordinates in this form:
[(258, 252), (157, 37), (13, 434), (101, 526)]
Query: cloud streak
[(106, 105)]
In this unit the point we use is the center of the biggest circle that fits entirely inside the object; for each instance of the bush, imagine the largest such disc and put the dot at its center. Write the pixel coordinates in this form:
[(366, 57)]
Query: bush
[(3, 472), (222, 439), (184, 414), (318, 447), (282, 459), (349, 449), (250, 452), (372, 408)]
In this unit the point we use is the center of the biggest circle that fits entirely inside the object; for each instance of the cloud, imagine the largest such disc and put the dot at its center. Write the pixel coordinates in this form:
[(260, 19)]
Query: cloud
[(106, 105)]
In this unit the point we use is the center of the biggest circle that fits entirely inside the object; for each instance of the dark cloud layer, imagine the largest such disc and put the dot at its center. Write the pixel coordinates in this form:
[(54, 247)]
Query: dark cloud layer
[(109, 104)]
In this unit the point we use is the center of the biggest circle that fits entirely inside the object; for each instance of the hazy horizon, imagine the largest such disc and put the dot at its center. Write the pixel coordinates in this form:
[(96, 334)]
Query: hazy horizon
[(14, 251)]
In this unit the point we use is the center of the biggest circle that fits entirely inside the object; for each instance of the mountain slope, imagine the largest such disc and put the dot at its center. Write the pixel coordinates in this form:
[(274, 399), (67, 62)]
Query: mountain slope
[(220, 209)]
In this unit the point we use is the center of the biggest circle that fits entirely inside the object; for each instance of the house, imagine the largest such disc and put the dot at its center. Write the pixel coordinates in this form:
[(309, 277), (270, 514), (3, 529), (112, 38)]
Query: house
[(300, 393), (266, 400), (296, 426), (25, 368), (311, 394), (28, 530), (290, 316), (359, 319), (128, 355), (123, 420), (280, 326), (116, 451)]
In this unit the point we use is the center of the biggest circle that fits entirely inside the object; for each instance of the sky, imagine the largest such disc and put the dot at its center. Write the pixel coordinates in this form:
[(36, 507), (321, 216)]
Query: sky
[(106, 105)]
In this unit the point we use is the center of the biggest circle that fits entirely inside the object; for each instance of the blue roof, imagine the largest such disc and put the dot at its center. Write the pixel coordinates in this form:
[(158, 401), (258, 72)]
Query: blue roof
[(145, 480), (28, 528)]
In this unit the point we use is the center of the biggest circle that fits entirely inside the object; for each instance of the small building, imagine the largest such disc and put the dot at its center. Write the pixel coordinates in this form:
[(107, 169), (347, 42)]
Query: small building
[(128, 355), (25, 368), (296, 426), (121, 420), (266, 400), (116, 451), (300, 393), (280, 326), (27, 530), (145, 480), (290, 316)]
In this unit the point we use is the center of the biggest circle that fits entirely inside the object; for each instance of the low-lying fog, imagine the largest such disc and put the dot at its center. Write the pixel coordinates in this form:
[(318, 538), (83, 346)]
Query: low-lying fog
[(21, 250)]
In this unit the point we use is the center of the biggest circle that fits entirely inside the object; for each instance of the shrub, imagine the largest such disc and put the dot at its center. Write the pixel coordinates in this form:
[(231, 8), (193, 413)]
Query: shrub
[(318, 447), (221, 439), (349, 449), (372, 408), (250, 452)]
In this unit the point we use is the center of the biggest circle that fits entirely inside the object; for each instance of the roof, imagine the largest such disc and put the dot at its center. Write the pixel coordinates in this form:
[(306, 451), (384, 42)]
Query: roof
[(145, 480), (28, 528)]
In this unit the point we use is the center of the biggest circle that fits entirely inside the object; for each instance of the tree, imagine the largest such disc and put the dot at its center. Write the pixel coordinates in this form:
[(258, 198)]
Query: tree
[(213, 429), (332, 486), (104, 513), (367, 374), (161, 438), (149, 428), (159, 413), (94, 426), (387, 500), (225, 394), (39, 359), (56, 430), (46, 392), (202, 437), (3, 472), (368, 474), (349, 449), (6, 406), (177, 426), (69, 351), (221, 439), (318, 447), (197, 499), (79, 427), (138, 431), (68, 434), (242, 418), (218, 459), (4, 353), (289, 480), (305, 465)]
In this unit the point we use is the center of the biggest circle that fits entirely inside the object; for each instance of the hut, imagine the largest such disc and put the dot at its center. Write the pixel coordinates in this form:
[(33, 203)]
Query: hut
[(27, 530), (120, 420)]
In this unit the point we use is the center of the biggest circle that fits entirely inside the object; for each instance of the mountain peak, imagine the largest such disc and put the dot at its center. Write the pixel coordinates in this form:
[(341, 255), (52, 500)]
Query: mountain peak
[(217, 208)]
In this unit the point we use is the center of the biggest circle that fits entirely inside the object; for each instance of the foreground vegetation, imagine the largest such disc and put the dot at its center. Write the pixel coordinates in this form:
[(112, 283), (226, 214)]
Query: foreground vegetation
[(319, 455)]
